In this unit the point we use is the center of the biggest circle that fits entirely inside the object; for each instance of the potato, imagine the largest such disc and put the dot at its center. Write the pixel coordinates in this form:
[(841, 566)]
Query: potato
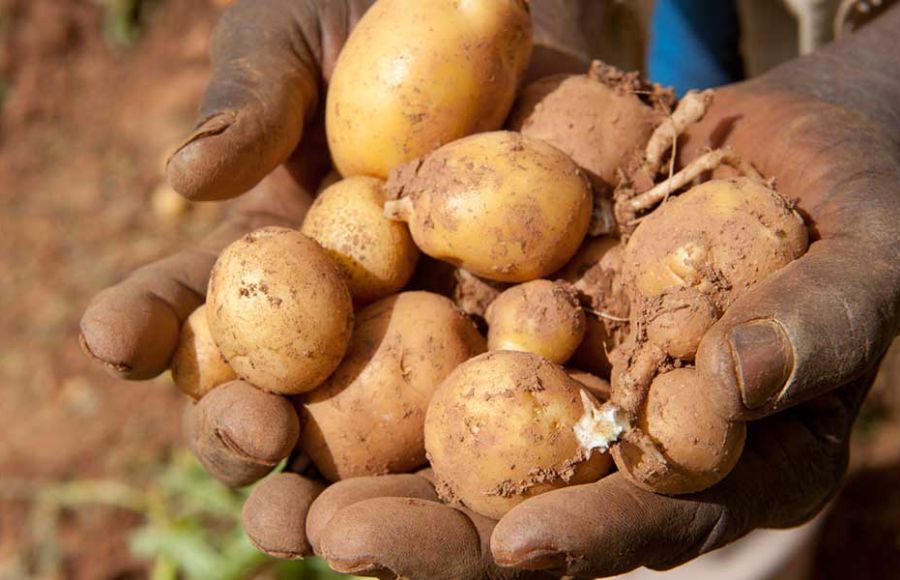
[(700, 448), (500, 205), (347, 219), (368, 417), (197, 365), (596, 272), (541, 317), (596, 386), (415, 75), (501, 429), (279, 310), (690, 258), (600, 119)]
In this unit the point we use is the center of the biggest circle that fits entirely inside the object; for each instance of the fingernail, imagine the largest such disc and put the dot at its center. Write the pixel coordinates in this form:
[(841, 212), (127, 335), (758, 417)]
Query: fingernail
[(763, 361), (540, 559), (214, 125)]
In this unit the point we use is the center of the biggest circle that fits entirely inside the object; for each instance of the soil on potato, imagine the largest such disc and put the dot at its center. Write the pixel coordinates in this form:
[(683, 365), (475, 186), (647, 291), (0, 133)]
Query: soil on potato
[(84, 130)]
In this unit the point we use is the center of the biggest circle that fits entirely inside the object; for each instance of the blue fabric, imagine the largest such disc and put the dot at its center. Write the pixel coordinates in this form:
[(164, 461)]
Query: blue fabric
[(695, 44)]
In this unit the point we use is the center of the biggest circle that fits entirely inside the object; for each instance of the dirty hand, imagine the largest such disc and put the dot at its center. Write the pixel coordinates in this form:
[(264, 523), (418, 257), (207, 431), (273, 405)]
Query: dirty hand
[(260, 131)]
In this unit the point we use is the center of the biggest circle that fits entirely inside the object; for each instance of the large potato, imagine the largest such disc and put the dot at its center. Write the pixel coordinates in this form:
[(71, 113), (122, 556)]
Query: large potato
[(415, 75), (368, 418), (501, 429), (501, 205), (279, 310), (347, 219)]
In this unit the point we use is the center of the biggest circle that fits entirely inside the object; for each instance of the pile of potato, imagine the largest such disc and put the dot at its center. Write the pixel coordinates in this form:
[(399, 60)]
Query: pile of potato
[(574, 254)]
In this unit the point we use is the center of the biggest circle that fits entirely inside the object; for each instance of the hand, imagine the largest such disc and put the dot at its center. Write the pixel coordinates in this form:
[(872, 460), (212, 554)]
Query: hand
[(797, 355), (260, 129)]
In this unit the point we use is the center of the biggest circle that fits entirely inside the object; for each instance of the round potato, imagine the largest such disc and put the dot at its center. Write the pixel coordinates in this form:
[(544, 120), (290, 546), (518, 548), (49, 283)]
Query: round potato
[(368, 417), (541, 317), (415, 75), (279, 310), (347, 219), (197, 365), (500, 205), (501, 429)]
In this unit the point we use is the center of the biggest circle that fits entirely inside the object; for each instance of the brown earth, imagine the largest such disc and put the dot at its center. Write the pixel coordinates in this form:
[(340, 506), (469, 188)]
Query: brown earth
[(84, 129)]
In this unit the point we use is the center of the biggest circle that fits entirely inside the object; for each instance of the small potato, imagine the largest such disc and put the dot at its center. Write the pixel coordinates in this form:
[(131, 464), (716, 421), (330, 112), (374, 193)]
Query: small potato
[(678, 321), (700, 448), (279, 310), (347, 219), (368, 417), (501, 429), (541, 317), (596, 272), (415, 75), (502, 206), (197, 365)]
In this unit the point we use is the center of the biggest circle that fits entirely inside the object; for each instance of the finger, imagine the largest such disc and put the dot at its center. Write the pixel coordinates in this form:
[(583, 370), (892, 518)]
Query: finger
[(811, 327), (792, 465), (132, 328), (240, 433), (350, 491), (274, 516), (412, 537)]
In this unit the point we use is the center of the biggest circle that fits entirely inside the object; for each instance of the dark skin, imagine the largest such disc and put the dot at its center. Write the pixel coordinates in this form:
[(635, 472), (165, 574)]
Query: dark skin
[(796, 355)]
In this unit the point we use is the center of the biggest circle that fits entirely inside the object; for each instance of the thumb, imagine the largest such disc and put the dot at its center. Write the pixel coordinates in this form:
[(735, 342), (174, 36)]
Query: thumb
[(264, 88), (815, 325)]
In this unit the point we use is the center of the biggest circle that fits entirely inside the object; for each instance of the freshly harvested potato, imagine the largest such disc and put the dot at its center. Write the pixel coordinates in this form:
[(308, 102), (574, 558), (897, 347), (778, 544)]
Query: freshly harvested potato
[(415, 75), (596, 272), (368, 417), (501, 429), (694, 255), (699, 447), (197, 365), (279, 310), (541, 317), (602, 120), (347, 219), (500, 205)]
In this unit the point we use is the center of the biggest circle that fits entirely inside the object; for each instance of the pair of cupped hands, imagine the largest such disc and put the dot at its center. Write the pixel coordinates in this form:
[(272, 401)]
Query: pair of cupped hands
[(795, 356)]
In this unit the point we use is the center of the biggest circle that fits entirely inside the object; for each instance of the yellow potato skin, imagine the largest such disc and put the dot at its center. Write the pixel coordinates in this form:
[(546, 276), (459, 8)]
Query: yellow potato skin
[(541, 317), (368, 417), (347, 219), (197, 365), (500, 430), (736, 228), (279, 310), (500, 205), (415, 75)]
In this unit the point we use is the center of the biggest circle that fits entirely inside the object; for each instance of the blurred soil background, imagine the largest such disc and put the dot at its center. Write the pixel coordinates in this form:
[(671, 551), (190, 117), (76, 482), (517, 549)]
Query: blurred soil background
[(94, 481)]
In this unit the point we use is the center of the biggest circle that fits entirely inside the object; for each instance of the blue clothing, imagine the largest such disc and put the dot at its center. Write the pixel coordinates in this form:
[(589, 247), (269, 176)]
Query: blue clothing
[(695, 44)]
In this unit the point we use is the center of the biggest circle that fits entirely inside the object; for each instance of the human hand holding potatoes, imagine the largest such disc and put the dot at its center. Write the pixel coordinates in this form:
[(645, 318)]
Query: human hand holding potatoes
[(423, 525)]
